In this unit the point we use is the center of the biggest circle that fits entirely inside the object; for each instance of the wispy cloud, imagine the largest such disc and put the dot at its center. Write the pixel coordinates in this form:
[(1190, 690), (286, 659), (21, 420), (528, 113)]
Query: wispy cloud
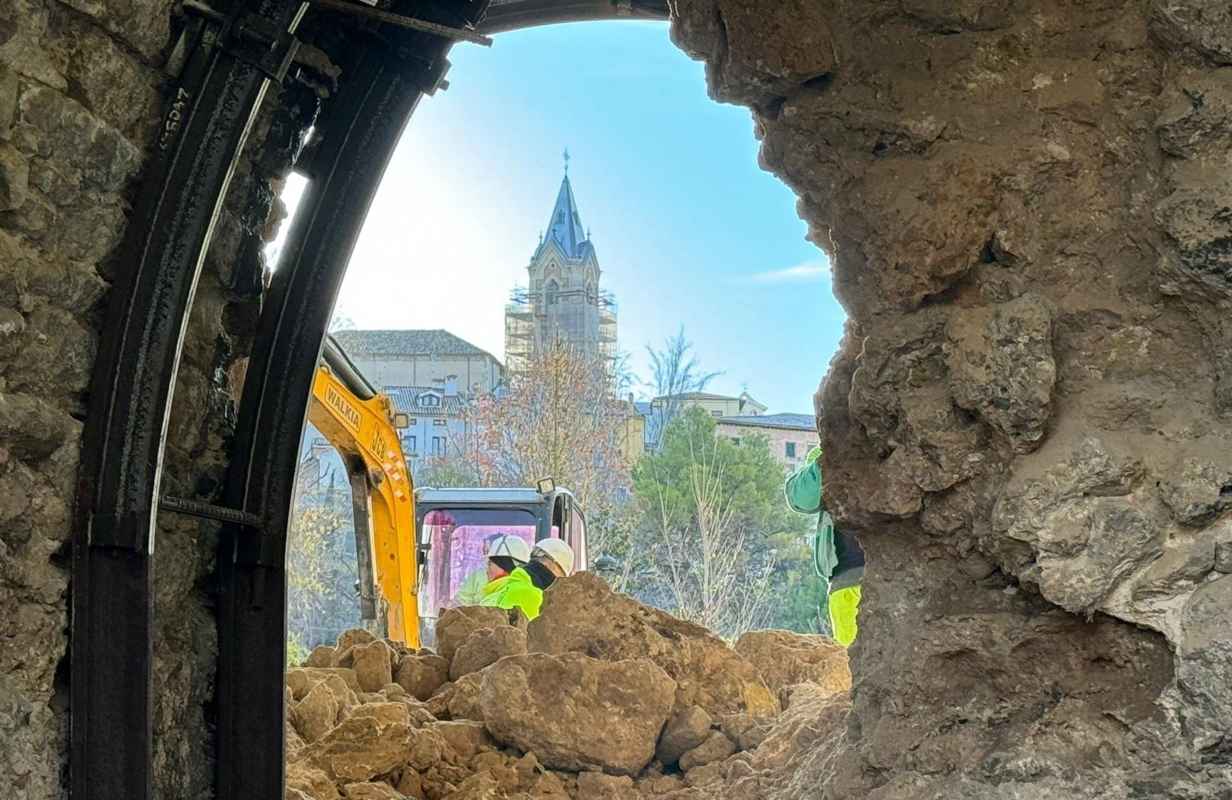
[(807, 272)]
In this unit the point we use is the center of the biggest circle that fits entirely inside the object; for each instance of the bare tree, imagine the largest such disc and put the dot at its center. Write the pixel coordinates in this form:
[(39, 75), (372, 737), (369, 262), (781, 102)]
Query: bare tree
[(559, 418), (703, 561), (321, 568), (675, 372)]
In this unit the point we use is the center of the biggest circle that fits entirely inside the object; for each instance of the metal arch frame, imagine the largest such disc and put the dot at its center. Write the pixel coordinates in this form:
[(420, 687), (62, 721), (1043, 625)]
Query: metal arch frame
[(167, 236), (119, 477), (516, 14)]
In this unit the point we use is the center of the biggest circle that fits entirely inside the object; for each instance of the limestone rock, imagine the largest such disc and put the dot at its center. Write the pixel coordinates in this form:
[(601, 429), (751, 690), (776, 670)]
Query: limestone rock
[(583, 615), (455, 625), (464, 697), (372, 665), (411, 785), (704, 775), (351, 637), (316, 714), (1001, 367), (1223, 557), (685, 730), (716, 748), (14, 178), (784, 659), (485, 646), (301, 679), (311, 782), (363, 747), (422, 675), (1196, 490), (371, 791), (599, 786), (321, 656), (467, 738), (1204, 25), (1089, 525), (747, 732), (554, 706), (732, 37), (1205, 670)]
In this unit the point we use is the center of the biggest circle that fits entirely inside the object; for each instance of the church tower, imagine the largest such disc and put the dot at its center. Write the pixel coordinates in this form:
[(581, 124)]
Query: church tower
[(562, 301)]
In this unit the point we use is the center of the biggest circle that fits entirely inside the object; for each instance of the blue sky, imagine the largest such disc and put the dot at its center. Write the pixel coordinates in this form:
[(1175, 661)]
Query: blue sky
[(688, 229)]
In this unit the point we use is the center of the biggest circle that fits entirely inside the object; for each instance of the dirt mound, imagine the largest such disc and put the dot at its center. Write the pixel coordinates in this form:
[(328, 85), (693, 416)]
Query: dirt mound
[(601, 716)]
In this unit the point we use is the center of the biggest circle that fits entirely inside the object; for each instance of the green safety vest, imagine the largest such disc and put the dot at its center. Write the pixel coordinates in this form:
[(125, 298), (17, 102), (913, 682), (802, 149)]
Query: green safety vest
[(514, 590)]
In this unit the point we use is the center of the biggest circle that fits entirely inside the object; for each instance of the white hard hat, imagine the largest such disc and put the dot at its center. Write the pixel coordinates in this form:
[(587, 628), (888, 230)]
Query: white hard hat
[(509, 546), (558, 551)]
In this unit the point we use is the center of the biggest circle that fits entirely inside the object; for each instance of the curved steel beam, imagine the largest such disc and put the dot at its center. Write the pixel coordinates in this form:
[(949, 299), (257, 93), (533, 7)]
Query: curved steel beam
[(383, 80), (130, 400), (508, 15)]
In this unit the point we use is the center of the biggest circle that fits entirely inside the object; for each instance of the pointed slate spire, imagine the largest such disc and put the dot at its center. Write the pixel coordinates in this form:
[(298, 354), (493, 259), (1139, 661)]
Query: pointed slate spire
[(565, 225)]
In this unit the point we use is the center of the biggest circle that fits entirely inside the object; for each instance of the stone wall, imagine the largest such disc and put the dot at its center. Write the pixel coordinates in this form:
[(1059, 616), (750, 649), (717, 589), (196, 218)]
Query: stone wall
[(1027, 205), (80, 100)]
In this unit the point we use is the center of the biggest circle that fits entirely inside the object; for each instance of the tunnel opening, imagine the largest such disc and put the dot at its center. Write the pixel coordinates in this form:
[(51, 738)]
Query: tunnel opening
[(335, 127), (1076, 466)]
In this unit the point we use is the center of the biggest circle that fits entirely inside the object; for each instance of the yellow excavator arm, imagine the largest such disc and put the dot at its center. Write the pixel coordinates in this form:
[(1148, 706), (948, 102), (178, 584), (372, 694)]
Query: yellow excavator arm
[(362, 424)]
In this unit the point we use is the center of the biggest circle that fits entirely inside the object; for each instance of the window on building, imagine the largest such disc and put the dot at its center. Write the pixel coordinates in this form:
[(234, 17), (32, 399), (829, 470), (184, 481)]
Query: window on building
[(438, 445), (440, 421), (408, 444), (551, 293), (412, 422), (429, 400), (791, 449), (716, 413)]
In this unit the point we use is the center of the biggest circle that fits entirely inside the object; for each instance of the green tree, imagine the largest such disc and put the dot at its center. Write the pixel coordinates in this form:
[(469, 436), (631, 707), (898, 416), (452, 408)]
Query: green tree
[(716, 542)]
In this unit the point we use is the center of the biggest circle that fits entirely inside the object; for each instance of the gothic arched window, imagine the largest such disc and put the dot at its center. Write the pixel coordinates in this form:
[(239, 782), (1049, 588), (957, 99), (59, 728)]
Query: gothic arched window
[(551, 293)]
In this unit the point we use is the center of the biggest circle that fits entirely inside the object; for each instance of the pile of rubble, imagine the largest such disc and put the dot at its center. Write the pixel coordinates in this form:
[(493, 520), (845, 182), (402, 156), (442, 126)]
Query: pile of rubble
[(600, 698)]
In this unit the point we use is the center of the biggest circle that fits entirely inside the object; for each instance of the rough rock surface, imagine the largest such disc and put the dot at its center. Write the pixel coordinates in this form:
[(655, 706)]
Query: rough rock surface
[(559, 727), (785, 659), (486, 646), (421, 674), (583, 615), (373, 668), (457, 624), (1026, 423), (575, 712), (685, 730)]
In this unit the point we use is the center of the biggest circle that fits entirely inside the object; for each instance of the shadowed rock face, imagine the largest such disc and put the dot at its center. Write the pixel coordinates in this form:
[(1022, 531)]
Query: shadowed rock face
[(1026, 206)]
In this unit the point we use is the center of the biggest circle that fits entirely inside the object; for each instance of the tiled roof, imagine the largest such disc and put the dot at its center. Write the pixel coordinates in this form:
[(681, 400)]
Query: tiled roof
[(406, 343), (406, 399), (799, 422)]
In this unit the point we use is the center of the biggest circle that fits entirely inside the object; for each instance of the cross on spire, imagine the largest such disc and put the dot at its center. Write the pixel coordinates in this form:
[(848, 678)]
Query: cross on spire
[(566, 160)]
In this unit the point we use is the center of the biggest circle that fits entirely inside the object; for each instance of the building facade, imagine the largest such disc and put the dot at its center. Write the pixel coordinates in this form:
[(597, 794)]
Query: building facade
[(438, 424), (427, 358), (563, 301), (791, 436), (716, 405)]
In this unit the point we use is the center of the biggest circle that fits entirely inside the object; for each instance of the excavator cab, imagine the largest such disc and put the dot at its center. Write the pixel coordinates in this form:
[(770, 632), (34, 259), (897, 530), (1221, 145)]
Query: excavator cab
[(455, 526)]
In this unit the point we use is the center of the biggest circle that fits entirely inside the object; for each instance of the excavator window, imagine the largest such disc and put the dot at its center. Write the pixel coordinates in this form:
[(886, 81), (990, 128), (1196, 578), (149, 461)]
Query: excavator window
[(456, 539)]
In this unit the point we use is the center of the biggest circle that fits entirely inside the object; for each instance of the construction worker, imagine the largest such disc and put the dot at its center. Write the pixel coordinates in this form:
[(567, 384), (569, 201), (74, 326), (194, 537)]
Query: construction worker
[(509, 584), (470, 592), (551, 559), (837, 556)]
